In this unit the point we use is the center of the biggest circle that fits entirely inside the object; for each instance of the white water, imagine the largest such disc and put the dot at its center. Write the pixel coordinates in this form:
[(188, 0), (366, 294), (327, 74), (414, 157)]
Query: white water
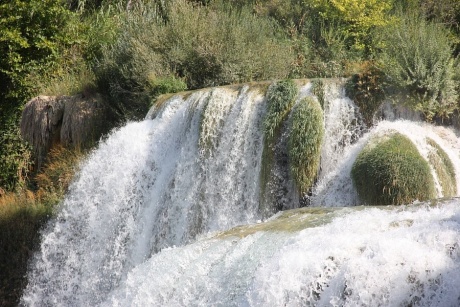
[(375, 257), (336, 189), (193, 167)]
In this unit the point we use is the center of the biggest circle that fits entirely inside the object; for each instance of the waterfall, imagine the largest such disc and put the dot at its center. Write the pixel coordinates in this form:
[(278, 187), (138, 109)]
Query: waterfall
[(149, 218), (336, 188), (372, 257)]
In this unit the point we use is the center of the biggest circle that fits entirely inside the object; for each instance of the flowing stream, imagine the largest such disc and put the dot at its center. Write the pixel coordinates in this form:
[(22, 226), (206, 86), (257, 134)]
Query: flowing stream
[(150, 219)]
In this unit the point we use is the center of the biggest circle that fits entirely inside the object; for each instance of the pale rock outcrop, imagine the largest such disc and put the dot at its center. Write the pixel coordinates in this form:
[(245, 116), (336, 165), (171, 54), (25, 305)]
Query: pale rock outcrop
[(70, 121)]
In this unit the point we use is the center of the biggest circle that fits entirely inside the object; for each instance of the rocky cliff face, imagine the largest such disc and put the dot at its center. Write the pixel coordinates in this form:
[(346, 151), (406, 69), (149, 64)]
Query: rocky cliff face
[(70, 121)]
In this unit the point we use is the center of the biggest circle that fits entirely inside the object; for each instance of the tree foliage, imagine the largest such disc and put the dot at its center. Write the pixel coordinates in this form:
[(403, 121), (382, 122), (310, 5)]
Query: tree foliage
[(357, 17), (32, 34)]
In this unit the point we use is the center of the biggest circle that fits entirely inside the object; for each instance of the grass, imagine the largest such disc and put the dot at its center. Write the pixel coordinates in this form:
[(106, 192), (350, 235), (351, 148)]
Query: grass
[(24, 213)]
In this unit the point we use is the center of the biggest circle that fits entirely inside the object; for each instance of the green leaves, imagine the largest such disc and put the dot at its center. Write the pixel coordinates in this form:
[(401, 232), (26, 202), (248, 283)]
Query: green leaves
[(419, 67), (32, 37)]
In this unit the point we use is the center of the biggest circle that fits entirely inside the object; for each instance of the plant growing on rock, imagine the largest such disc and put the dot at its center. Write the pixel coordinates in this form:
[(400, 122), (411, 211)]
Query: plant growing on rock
[(305, 139), (366, 90), (391, 171), (280, 99), (444, 168)]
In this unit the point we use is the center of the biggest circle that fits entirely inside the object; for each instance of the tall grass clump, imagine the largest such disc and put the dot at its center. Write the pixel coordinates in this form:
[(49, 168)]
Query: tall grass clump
[(391, 171), (305, 139), (444, 168), (418, 64), (280, 99)]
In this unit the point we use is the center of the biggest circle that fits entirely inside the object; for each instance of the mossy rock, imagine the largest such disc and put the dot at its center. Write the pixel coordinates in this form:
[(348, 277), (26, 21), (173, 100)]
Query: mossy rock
[(305, 139), (391, 171), (444, 169), (280, 99)]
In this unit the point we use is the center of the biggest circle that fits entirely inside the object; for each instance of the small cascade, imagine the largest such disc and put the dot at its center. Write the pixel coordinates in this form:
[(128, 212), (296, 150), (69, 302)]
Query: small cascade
[(336, 188), (343, 126)]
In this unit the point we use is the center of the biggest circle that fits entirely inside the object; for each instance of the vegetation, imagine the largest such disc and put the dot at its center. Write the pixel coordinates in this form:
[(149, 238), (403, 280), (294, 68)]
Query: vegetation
[(419, 64), (444, 169), (23, 214), (366, 90), (318, 89), (391, 171), (280, 99), (197, 47), (133, 51), (21, 217), (305, 140)]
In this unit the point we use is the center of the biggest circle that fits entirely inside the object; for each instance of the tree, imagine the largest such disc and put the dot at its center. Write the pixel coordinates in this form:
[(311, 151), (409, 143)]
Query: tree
[(356, 17), (32, 33)]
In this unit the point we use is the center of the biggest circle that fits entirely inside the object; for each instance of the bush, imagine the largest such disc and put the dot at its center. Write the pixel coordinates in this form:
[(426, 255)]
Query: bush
[(419, 67), (444, 169), (33, 34), (356, 18), (391, 171), (305, 139), (199, 45), (366, 90)]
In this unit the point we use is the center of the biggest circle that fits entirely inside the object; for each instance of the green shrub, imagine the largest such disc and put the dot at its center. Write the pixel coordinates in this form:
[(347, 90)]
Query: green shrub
[(355, 17), (169, 84), (15, 158), (418, 63), (305, 139), (391, 171), (444, 169), (199, 45)]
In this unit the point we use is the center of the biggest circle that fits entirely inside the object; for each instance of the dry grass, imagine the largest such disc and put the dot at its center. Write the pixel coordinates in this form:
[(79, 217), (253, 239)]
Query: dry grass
[(24, 213)]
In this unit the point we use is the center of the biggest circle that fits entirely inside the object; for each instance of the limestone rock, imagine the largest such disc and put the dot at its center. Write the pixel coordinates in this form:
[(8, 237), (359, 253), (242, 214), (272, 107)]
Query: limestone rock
[(70, 121)]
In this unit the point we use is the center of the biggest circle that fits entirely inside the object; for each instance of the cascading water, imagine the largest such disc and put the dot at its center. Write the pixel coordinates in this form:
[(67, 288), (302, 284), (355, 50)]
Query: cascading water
[(192, 169)]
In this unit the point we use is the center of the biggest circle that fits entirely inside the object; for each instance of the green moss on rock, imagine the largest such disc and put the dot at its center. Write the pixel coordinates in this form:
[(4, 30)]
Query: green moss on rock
[(305, 141), (318, 89), (391, 171), (280, 98), (444, 168)]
